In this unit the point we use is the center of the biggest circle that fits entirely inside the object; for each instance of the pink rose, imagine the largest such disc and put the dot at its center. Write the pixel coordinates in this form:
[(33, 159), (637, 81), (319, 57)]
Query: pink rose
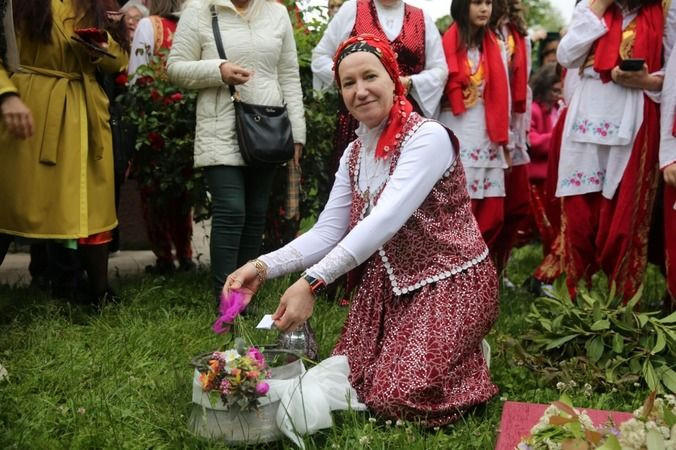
[(262, 388), (256, 355)]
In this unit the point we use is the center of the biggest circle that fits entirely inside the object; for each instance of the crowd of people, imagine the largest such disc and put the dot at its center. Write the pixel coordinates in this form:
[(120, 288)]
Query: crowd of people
[(450, 151)]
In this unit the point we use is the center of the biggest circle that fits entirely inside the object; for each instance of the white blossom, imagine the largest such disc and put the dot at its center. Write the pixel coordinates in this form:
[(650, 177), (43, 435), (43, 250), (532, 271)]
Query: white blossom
[(632, 435), (4, 375)]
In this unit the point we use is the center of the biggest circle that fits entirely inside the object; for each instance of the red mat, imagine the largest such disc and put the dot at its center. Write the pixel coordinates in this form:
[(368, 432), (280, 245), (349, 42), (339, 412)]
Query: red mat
[(518, 418)]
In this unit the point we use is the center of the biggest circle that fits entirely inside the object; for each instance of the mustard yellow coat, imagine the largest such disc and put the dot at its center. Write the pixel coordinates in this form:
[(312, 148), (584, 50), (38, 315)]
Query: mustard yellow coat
[(59, 182)]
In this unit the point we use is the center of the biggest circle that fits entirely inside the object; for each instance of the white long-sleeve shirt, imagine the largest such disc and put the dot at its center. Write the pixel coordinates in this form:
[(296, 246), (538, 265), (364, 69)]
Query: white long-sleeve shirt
[(668, 140), (603, 118), (328, 249), (427, 86), (143, 45)]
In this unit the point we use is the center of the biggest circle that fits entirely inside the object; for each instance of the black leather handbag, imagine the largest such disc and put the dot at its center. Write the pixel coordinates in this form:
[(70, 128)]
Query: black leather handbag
[(263, 132)]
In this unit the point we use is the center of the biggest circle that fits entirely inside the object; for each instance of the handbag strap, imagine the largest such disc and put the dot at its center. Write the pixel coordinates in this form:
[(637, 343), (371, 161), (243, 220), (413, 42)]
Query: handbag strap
[(219, 42)]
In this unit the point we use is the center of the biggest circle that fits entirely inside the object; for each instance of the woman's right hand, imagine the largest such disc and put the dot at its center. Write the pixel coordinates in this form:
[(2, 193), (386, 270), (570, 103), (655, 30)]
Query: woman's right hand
[(18, 118), (233, 74), (599, 7), (245, 279)]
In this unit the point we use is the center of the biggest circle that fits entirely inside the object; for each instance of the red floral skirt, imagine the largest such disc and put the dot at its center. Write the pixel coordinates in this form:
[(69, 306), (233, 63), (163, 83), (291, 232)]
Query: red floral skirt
[(418, 357)]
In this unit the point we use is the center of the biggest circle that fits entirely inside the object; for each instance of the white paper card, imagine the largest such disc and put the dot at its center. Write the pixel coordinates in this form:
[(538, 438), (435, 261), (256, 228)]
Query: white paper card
[(266, 322)]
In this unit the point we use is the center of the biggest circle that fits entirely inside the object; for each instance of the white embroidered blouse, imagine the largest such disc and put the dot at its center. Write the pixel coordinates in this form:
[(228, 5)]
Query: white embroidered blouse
[(484, 161), (668, 140), (427, 86), (603, 118), (328, 250)]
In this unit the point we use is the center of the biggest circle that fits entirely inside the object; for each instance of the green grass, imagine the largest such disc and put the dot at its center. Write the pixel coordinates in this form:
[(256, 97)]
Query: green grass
[(119, 378)]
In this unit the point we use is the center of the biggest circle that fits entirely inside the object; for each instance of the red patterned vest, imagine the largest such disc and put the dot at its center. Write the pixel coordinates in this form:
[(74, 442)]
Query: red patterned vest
[(163, 31), (409, 45), (439, 240)]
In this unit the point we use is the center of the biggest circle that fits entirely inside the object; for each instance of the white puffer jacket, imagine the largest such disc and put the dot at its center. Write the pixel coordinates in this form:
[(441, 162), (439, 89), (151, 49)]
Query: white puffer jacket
[(263, 44)]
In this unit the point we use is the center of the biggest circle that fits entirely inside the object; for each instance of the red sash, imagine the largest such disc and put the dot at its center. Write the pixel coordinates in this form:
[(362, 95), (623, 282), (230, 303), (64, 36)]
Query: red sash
[(647, 44), (495, 96), (519, 80)]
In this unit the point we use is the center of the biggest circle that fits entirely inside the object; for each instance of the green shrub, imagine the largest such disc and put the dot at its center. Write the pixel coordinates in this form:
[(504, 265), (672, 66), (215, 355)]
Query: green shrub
[(614, 342)]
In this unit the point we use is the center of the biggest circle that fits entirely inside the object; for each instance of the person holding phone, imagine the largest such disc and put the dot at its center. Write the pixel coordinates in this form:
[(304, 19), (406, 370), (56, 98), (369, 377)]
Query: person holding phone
[(607, 173), (56, 163), (668, 166)]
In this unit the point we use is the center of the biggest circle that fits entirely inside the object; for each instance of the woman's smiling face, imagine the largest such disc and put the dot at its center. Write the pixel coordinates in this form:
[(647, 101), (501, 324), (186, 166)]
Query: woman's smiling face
[(366, 87)]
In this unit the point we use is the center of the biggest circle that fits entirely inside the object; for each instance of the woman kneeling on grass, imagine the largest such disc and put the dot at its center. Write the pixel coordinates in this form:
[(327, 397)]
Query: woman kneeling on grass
[(399, 218)]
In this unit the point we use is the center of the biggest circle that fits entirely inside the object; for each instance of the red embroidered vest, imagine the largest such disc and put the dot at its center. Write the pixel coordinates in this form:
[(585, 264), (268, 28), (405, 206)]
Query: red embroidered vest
[(439, 240), (409, 45)]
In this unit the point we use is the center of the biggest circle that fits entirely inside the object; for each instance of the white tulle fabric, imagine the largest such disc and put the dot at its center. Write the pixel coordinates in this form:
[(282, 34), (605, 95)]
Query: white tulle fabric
[(306, 402)]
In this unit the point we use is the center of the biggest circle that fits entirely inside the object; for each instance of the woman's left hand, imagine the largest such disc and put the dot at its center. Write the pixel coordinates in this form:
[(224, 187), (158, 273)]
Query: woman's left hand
[(637, 79), (295, 307), (669, 173), (297, 153)]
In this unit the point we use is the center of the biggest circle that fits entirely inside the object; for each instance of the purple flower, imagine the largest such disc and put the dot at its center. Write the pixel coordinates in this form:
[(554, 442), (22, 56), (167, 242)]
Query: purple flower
[(262, 388), (229, 308), (256, 355)]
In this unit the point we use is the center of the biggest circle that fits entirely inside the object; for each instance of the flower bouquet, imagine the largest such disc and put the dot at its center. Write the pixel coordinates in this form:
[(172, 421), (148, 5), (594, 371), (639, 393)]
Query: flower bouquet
[(563, 427), (236, 377), (230, 397)]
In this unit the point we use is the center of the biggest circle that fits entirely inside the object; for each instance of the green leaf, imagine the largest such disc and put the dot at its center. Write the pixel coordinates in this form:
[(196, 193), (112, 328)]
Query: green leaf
[(669, 380), (596, 313), (611, 444), (635, 365), (602, 324), (631, 304), (660, 342), (669, 417), (641, 319), (649, 375), (595, 348), (560, 341), (671, 318), (654, 440), (618, 343)]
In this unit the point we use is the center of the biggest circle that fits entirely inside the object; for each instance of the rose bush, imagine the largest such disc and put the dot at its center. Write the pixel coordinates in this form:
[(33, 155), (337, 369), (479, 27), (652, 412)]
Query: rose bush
[(163, 116)]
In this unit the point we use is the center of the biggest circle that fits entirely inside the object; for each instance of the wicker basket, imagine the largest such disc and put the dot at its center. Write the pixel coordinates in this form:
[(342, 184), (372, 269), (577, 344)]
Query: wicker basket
[(233, 425)]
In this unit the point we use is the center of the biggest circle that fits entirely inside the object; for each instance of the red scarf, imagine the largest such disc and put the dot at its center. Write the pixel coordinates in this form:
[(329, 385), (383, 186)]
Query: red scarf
[(519, 82), (495, 96), (401, 107), (647, 44)]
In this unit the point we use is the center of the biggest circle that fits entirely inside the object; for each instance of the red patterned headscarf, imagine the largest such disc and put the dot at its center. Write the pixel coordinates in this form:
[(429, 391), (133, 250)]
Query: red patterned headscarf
[(401, 107)]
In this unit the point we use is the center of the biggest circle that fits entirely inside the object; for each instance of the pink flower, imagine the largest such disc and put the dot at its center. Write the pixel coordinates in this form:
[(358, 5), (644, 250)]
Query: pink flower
[(229, 308), (262, 388), (224, 387), (256, 355)]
